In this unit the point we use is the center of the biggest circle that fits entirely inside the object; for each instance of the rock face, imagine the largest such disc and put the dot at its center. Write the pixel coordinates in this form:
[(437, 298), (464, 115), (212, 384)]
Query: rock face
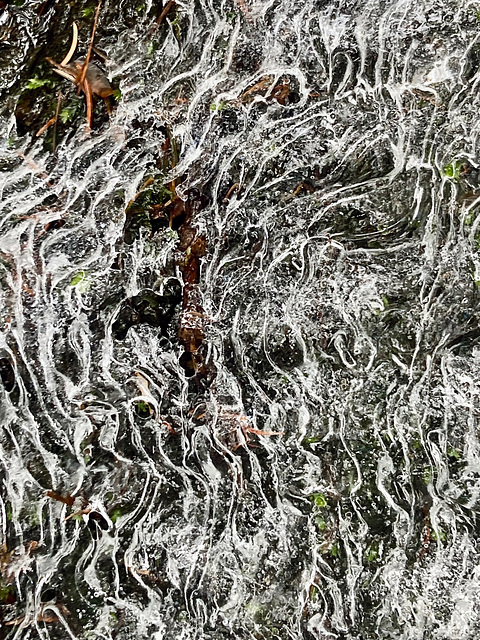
[(239, 353)]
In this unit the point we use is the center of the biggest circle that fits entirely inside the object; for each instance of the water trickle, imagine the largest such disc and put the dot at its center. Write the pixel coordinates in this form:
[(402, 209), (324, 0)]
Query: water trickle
[(239, 341)]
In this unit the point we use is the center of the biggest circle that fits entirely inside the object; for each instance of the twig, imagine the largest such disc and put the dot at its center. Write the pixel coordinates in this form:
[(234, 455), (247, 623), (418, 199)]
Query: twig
[(81, 76), (87, 89), (55, 120), (165, 12), (73, 46), (45, 127)]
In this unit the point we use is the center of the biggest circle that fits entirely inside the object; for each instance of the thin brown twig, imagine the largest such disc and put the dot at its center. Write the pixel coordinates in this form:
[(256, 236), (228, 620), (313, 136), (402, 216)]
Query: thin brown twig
[(165, 12), (87, 89), (55, 120), (81, 76), (45, 127)]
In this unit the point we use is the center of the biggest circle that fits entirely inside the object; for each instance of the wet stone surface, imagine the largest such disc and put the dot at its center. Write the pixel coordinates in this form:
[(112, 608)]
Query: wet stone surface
[(239, 343)]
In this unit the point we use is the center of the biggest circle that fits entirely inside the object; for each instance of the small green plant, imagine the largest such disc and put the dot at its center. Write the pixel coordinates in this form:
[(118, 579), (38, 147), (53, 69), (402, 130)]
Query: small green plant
[(88, 12), (116, 514), (67, 114), (319, 500), (142, 409), (81, 281), (441, 537), (452, 170), (218, 106), (372, 552), (454, 453)]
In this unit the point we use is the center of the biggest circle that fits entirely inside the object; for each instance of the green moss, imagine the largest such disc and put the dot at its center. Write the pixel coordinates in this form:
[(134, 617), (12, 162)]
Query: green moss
[(37, 83)]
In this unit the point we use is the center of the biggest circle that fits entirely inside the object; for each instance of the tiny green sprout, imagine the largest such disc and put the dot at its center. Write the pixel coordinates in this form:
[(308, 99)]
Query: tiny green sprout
[(427, 475), (117, 94), (218, 106), (441, 537), (454, 453), (116, 514), (172, 234), (385, 301), (334, 550), (37, 83), (319, 500), (417, 444), (452, 170), (372, 553), (477, 15), (142, 409), (81, 281), (66, 115), (311, 440), (313, 593), (88, 12), (320, 523)]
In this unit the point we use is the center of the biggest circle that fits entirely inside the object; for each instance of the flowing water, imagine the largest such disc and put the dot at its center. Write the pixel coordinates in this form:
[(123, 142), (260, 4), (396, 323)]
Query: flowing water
[(239, 338)]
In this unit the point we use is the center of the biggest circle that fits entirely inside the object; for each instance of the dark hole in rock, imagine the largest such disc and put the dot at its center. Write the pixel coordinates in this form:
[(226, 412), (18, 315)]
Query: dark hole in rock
[(7, 374), (148, 308)]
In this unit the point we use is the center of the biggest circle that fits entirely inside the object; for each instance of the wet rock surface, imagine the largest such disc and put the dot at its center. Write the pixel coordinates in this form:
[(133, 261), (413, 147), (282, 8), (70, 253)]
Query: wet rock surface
[(239, 345)]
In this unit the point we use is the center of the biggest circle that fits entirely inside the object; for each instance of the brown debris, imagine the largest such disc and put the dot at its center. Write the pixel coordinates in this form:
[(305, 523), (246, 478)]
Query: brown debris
[(68, 499), (236, 429), (280, 91)]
